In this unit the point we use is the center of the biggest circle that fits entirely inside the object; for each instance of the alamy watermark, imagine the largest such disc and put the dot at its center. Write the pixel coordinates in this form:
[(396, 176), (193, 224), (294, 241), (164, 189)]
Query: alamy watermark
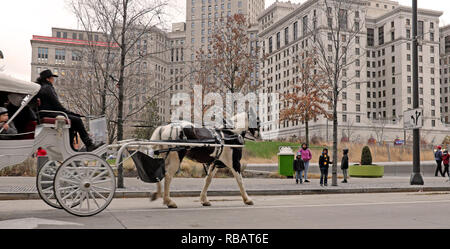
[(234, 110)]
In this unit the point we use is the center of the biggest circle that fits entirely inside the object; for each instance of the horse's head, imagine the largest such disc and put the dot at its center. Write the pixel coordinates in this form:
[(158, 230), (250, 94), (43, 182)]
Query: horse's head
[(247, 125)]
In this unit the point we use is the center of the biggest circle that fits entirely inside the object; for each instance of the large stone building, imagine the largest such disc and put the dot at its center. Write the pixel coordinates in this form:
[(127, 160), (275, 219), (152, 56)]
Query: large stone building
[(70, 54), (381, 89), (202, 17), (168, 68), (445, 73), (371, 106)]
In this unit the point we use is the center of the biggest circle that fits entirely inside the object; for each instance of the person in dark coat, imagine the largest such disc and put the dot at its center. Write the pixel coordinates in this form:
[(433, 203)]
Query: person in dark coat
[(445, 161), (48, 100), (344, 165), (25, 116), (324, 164), (438, 158), (299, 167)]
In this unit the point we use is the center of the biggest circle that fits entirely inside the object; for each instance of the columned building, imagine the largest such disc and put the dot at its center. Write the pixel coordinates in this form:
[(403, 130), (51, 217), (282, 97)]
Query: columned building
[(372, 105)]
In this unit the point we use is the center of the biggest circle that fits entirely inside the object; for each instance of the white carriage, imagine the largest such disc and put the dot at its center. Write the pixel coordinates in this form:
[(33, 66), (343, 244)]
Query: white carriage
[(81, 183)]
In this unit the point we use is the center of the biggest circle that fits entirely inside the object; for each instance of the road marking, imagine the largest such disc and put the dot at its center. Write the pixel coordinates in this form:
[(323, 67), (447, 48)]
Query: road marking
[(285, 206), (32, 223)]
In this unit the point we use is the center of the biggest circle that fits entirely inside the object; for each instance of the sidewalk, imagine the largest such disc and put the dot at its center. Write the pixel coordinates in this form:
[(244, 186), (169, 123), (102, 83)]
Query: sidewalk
[(19, 188)]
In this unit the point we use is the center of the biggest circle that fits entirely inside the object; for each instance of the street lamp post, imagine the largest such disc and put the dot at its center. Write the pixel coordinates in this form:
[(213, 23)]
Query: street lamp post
[(416, 177)]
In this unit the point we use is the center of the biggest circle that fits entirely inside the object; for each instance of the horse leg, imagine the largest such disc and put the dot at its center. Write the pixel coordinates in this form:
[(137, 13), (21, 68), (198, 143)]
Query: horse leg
[(158, 193), (172, 167), (203, 198), (238, 177)]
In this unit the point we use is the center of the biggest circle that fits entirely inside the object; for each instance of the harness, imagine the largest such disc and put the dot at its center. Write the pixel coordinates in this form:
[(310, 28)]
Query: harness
[(218, 136)]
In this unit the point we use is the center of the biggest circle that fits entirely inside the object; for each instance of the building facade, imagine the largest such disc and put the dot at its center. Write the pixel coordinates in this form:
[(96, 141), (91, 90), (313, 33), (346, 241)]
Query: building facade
[(445, 73), (74, 56), (372, 105), (202, 17)]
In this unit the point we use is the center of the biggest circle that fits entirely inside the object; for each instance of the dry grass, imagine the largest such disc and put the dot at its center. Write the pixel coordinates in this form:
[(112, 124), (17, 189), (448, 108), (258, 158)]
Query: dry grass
[(27, 168)]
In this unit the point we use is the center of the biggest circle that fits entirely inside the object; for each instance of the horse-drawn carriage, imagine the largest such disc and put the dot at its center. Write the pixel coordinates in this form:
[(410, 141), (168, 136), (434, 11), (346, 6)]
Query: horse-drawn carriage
[(84, 183)]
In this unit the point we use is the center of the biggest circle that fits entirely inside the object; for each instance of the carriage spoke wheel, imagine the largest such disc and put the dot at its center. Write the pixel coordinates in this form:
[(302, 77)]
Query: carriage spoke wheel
[(84, 185), (44, 183)]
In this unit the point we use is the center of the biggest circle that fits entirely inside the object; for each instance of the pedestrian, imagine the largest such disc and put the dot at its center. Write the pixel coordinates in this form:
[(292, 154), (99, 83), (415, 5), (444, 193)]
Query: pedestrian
[(41, 152), (438, 158), (445, 160), (306, 157), (299, 167), (7, 129), (324, 164), (344, 165)]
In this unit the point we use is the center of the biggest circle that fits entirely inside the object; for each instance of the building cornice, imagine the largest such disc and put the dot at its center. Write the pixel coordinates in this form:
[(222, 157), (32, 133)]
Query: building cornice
[(405, 9)]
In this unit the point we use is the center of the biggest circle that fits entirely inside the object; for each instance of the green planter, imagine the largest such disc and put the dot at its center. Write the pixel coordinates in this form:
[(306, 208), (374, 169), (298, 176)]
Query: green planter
[(366, 171)]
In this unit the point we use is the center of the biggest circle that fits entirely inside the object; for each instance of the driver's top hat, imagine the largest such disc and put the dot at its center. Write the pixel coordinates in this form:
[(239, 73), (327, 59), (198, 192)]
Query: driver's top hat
[(47, 74)]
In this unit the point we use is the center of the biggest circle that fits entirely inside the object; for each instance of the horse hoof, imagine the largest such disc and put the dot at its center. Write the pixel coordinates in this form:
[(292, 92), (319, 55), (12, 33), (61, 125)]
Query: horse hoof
[(172, 205), (206, 204), (154, 197), (249, 202)]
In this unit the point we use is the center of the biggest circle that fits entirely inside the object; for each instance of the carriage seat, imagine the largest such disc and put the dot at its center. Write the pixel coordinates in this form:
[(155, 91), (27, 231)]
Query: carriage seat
[(52, 121), (198, 133), (29, 130)]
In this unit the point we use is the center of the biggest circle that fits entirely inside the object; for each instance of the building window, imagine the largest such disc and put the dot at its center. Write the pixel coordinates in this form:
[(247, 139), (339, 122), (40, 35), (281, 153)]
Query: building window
[(295, 31), (381, 35), (343, 22), (370, 37), (286, 36), (76, 56), (42, 54), (305, 25), (60, 56)]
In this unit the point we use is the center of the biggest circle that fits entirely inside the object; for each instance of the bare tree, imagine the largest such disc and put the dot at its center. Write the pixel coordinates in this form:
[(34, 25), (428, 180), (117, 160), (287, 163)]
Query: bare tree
[(332, 36), (350, 129), (132, 28), (306, 102), (230, 62), (128, 26), (380, 128), (148, 122)]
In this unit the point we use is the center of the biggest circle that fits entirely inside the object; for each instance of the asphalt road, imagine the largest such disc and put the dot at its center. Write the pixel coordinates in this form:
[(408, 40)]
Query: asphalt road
[(393, 210)]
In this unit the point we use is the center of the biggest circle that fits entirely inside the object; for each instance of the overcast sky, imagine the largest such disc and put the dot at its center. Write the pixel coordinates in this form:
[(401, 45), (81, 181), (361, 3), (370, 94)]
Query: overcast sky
[(20, 19)]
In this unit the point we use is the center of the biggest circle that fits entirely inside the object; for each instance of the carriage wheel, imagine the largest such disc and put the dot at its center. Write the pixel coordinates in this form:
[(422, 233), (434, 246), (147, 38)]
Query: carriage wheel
[(44, 183), (84, 185)]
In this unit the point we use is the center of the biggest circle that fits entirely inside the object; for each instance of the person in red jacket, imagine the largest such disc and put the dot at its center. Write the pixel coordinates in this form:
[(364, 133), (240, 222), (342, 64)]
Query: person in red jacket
[(445, 160), (41, 152)]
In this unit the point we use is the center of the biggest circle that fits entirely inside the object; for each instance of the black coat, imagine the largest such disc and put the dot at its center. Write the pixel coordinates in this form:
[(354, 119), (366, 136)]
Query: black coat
[(344, 163), (298, 165), (50, 101), (324, 162)]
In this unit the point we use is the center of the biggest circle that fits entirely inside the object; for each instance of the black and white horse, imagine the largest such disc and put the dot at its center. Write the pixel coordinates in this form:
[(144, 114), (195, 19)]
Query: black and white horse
[(226, 157)]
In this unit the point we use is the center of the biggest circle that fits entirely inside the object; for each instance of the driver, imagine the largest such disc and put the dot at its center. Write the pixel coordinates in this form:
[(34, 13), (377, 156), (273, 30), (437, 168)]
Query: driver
[(7, 129), (49, 101)]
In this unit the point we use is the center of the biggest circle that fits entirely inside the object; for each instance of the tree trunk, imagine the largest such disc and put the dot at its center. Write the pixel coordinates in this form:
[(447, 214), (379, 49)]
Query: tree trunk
[(120, 183), (335, 139), (307, 132)]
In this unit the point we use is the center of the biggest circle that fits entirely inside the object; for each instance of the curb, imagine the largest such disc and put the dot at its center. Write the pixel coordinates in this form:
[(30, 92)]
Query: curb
[(140, 194)]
